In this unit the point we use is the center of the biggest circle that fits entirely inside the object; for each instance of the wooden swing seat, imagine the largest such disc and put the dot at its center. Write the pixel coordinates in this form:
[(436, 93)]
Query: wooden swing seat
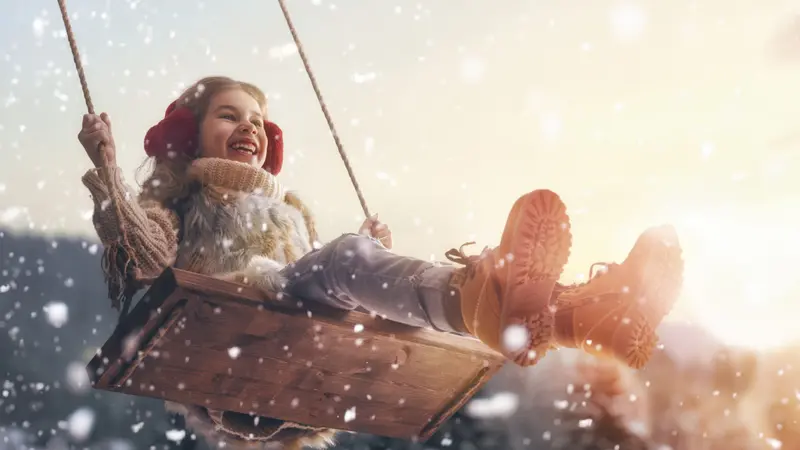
[(194, 339)]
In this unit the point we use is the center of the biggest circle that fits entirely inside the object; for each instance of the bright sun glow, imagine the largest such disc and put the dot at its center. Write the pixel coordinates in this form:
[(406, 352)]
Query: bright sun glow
[(741, 279)]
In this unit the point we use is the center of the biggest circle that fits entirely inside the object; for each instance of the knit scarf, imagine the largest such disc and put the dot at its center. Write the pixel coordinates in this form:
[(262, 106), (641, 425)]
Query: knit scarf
[(234, 176), (235, 213), (221, 175)]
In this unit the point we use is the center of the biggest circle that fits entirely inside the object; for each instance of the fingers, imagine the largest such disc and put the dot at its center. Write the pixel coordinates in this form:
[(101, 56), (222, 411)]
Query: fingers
[(100, 136), (368, 224), (98, 142), (383, 234), (381, 231), (85, 125), (373, 227), (94, 136), (379, 228), (94, 127), (106, 120), (92, 122)]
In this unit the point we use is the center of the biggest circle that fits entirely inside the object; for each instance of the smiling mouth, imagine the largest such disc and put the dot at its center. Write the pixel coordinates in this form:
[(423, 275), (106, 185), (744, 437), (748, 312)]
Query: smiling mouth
[(245, 148)]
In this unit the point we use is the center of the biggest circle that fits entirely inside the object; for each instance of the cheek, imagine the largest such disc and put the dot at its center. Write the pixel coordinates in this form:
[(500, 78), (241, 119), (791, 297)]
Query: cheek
[(262, 138), (213, 137)]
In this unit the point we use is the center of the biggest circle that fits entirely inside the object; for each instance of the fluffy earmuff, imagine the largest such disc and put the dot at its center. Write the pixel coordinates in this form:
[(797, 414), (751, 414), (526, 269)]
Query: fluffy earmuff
[(178, 134)]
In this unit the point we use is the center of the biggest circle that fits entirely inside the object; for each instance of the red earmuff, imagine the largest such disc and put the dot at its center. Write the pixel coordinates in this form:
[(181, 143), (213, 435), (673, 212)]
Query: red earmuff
[(177, 134), (274, 161)]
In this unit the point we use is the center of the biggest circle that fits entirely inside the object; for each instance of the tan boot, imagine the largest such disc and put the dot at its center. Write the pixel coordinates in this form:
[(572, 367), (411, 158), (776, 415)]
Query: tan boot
[(616, 313), (505, 292)]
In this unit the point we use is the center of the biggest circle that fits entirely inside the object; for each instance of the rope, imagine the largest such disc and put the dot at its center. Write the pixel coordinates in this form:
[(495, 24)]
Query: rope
[(104, 156), (76, 57), (325, 111), (90, 107)]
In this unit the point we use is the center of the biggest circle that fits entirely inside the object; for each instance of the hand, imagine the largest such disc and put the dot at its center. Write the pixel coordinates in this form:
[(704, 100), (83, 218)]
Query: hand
[(95, 136), (378, 230)]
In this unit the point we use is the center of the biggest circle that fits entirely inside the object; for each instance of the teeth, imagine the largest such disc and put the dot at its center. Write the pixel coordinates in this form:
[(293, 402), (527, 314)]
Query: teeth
[(244, 147)]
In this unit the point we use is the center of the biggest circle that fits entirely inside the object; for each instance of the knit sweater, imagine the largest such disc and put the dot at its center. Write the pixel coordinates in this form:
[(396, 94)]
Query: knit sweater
[(236, 219), (152, 229)]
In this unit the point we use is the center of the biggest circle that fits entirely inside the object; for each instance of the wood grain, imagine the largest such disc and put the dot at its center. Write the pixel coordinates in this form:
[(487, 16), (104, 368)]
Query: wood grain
[(199, 340)]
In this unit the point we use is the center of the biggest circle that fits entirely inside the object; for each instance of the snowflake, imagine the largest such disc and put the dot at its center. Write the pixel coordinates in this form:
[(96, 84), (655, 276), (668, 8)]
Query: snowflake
[(80, 424), (502, 404), (472, 70), (627, 21), (57, 313)]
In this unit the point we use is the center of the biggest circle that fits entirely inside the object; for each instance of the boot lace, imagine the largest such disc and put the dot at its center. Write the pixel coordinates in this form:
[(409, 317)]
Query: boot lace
[(605, 267), (470, 262)]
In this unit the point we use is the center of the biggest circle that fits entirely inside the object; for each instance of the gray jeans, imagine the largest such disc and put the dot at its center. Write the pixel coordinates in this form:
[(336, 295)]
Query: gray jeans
[(357, 271)]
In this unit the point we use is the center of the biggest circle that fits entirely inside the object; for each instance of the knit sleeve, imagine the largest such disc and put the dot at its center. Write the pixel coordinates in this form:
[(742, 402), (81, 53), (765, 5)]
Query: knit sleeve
[(150, 240)]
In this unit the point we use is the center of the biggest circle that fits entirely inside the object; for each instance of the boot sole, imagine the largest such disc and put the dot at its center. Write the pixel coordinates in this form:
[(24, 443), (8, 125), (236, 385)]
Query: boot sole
[(537, 241), (658, 286), (657, 276)]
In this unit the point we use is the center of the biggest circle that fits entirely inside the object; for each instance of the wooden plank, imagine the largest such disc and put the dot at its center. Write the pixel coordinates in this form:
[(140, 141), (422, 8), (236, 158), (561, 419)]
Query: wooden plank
[(224, 346)]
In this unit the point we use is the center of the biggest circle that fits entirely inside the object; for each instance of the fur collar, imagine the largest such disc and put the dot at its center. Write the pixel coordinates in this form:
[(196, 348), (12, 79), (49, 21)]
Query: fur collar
[(240, 227)]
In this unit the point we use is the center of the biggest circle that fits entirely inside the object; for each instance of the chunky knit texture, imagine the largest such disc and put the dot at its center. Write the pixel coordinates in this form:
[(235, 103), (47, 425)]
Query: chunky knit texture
[(153, 228), (237, 176), (236, 220), (152, 234)]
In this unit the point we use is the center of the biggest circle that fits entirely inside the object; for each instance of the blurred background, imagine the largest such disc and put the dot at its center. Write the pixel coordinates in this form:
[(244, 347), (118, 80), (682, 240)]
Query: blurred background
[(636, 112)]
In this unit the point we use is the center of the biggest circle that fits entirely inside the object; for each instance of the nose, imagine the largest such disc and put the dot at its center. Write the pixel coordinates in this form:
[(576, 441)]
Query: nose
[(248, 128)]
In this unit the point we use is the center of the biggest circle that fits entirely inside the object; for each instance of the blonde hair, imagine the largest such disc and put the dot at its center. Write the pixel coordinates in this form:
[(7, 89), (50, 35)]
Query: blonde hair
[(166, 182)]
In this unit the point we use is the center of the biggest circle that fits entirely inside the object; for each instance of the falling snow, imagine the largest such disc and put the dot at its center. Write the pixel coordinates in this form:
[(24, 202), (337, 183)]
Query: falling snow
[(445, 112), (361, 78), (282, 51), (39, 26), (57, 313), (77, 380), (176, 435), (472, 70), (628, 21), (515, 338), (234, 352), (503, 404), (80, 424)]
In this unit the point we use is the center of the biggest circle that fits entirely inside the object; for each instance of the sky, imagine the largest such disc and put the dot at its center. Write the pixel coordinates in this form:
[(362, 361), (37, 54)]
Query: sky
[(637, 112)]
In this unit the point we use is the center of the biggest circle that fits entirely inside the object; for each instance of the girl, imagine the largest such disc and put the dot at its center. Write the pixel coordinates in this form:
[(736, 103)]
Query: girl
[(213, 205)]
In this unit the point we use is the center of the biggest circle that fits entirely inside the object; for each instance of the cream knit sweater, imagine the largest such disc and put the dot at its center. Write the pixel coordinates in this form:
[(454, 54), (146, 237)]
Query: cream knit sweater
[(152, 245), (151, 228)]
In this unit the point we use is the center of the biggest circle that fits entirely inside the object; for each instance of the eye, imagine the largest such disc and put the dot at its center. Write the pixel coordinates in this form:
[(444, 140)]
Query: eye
[(227, 117), (258, 123)]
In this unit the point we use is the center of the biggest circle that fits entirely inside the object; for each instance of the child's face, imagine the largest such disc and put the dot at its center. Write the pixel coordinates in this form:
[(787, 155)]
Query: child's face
[(233, 128)]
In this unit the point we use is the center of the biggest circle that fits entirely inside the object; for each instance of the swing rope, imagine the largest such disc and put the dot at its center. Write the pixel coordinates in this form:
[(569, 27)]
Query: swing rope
[(109, 259), (87, 97), (324, 107)]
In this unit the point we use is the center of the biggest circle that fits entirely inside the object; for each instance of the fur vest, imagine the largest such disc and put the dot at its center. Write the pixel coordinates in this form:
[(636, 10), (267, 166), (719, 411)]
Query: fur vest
[(228, 228)]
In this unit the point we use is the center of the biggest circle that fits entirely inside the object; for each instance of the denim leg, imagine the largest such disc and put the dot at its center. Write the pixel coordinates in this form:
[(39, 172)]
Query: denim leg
[(355, 270)]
